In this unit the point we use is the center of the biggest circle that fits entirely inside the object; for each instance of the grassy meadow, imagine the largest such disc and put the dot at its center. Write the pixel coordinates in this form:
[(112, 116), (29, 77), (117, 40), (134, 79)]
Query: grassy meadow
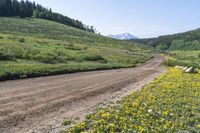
[(35, 47)]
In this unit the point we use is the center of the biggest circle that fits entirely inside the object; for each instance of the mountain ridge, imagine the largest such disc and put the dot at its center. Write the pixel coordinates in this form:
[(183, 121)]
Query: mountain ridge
[(189, 40), (124, 36)]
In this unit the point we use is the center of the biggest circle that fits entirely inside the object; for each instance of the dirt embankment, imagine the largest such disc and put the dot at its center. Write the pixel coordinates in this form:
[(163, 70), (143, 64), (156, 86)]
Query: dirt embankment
[(41, 104)]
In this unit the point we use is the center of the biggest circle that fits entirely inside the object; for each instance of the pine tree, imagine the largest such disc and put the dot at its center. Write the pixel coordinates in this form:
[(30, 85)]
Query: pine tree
[(3, 8), (23, 9), (8, 10), (15, 8)]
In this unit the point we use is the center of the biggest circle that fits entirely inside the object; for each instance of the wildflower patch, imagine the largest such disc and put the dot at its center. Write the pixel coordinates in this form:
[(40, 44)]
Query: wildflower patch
[(169, 104)]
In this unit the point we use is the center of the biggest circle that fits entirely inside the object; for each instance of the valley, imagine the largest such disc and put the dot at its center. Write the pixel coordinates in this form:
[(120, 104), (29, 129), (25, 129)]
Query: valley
[(60, 75)]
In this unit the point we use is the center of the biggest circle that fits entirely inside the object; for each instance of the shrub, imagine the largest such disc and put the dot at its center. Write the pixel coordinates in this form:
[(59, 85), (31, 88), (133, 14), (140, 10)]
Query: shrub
[(51, 58), (99, 58), (6, 54), (21, 40), (67, 122), (12, 37), (73, 47), (42, 42)]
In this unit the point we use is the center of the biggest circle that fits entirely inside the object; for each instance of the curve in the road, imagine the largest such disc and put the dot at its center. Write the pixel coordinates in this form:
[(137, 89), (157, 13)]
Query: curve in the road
[(38, 104)]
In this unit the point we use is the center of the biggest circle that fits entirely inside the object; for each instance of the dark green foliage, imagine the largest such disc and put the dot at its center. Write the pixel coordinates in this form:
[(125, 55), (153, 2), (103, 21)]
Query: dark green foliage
[(182, 41), (67, 122), (21, 40), (51, 58), (9, 8), (5, 54), (5, 8), (94, 57)]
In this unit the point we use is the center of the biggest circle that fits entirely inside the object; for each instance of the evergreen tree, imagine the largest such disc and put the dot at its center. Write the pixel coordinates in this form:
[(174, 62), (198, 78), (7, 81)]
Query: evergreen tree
[(29, 7), (9, 8), (3, 5), (15, 8)]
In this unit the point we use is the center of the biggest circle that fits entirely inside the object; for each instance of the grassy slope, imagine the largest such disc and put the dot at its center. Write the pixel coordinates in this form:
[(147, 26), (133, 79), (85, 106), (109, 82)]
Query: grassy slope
[(182, 41), (35, 47)]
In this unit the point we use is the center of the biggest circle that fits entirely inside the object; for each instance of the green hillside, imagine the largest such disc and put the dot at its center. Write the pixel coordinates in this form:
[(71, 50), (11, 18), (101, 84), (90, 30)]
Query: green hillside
[(27, 9), (183, 41), (35, 47)]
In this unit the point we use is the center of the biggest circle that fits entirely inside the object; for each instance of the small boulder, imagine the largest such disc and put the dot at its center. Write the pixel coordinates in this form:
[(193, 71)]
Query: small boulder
[(190, 70), (150, 110), (176, 66), (185, 68), (179, 67)]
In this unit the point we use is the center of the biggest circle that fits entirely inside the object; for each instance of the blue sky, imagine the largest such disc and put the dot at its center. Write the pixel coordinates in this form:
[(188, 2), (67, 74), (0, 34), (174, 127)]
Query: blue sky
[(142, 18)]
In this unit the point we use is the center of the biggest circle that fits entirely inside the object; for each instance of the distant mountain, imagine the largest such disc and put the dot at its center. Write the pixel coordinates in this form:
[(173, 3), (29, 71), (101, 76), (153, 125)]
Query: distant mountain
[(125, 36)]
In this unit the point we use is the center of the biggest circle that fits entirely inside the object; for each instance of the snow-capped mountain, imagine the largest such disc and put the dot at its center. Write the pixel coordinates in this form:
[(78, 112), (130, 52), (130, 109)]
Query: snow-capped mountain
[(125, 36)]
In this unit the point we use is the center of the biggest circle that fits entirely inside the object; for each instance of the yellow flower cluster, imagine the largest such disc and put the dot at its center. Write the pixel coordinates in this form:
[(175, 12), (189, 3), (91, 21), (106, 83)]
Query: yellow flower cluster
[(169, 104)]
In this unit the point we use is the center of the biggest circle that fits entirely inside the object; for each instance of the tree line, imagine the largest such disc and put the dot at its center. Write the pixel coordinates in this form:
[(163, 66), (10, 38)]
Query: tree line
[(183, 41), (11, 8)]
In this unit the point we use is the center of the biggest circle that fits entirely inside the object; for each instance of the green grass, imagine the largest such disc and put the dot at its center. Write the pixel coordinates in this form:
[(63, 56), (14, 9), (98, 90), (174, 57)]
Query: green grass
[(184, 58), (34, 47)]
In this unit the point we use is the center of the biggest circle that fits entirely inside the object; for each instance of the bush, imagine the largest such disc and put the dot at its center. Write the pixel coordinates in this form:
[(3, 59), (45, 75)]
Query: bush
[(67, 122), (6, 55), (98, 58), (51, 58), (21, 40), (42, 42)]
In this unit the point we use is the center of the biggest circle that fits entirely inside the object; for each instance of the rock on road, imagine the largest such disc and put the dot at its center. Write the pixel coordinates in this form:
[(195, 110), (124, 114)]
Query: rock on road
[(41, 104)]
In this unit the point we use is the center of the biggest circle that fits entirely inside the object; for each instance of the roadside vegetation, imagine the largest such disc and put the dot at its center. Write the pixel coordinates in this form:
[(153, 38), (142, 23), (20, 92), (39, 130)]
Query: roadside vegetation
[(34, 47), (183, 58), (169, 104)]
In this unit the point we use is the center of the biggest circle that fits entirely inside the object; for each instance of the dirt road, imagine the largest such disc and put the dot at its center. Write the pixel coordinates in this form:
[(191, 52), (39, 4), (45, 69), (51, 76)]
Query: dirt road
[(40, 104)]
